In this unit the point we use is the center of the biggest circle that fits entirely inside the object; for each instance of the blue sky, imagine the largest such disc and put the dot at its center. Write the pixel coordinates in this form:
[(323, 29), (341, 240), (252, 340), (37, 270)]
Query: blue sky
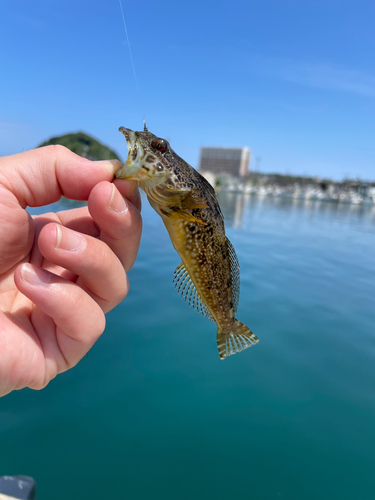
[(294, 80)]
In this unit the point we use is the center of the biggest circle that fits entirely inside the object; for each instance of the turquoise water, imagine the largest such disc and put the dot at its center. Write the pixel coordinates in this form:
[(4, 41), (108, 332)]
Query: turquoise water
[(152, 412)]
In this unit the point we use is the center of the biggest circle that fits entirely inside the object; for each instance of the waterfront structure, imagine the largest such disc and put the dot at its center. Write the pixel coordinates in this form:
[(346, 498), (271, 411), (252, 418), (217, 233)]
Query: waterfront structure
[(231, 161)]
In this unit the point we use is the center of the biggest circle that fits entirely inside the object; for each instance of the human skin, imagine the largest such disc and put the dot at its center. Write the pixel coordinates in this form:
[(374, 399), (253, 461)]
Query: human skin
[(60, 272)]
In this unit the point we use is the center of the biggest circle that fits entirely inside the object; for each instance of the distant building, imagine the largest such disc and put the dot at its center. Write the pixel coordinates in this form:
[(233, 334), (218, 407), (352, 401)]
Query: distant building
[(233, 161)]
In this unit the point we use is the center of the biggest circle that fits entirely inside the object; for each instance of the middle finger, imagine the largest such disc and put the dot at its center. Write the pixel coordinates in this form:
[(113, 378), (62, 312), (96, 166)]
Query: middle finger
[(100, 272)]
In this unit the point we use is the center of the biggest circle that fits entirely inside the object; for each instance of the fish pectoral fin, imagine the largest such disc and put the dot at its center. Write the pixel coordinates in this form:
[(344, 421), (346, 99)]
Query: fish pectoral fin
[(180, 213), (165, 195), (186, 215), (168, 196), (236, 339), (193, 200)]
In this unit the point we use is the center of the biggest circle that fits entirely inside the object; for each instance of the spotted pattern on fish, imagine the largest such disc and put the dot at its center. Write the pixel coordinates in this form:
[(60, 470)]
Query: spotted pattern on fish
[(208, 276), (150, 159)]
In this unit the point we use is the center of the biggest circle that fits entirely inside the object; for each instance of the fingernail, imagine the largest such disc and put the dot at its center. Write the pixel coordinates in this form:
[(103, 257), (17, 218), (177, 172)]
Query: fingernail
[(117, 203), (111, 166), (35, 275), (67, 239)]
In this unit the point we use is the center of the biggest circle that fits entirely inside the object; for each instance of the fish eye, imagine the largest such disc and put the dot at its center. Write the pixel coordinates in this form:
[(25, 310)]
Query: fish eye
[(160, 144)]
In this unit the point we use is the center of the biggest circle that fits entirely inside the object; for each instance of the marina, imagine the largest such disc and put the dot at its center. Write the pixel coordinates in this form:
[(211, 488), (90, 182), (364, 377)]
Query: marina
[(278, 186)]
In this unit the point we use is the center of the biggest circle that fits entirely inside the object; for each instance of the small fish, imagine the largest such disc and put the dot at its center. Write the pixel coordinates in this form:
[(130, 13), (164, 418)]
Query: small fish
[(208, 276)]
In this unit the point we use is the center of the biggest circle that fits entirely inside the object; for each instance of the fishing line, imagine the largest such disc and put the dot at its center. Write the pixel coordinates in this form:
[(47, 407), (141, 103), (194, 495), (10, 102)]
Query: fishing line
[(131, 55)]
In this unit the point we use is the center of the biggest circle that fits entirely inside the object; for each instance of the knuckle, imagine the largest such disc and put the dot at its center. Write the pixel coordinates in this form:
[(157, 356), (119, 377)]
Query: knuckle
[(97, 327), (56, 150), (101, 259), (122, 294), (128, 226)]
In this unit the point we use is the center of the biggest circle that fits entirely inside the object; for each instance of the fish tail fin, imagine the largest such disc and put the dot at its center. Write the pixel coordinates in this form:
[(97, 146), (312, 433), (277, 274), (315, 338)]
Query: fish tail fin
[(235, 339)]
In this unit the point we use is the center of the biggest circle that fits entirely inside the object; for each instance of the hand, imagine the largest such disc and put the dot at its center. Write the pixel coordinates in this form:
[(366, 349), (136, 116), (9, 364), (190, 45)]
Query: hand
[(60, 273)]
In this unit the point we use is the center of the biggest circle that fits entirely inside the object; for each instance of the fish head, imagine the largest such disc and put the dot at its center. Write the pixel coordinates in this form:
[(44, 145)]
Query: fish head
[(147, 159)]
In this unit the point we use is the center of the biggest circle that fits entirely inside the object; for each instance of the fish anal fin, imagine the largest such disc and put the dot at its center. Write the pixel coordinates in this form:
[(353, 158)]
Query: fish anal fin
[(187, 290), (235, 339)]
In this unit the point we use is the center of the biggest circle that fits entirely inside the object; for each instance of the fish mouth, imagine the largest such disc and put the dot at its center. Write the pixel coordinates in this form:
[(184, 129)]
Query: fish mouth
[(132, 166)]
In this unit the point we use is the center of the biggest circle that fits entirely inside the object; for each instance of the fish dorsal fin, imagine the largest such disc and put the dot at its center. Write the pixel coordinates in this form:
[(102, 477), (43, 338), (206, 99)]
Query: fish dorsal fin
[(187, 290), (207, 185), (212, 193), (235, 272)]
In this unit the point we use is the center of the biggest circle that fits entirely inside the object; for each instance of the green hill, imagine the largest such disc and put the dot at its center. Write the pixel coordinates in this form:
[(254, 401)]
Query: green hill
[(83, 145)]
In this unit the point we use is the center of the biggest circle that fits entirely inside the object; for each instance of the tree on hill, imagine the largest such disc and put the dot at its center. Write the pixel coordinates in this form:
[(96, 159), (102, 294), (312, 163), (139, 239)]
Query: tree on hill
[(83, 145)]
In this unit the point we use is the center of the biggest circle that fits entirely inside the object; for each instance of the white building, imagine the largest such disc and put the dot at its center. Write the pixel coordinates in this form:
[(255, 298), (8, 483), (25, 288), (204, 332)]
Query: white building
[(232, 161)]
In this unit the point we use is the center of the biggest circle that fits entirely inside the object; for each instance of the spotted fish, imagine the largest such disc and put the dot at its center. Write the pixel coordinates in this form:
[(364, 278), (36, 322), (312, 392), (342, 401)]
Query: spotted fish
[(208, 277)]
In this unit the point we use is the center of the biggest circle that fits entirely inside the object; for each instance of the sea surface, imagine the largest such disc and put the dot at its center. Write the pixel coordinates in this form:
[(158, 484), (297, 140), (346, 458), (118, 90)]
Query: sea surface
[(152, 412)]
